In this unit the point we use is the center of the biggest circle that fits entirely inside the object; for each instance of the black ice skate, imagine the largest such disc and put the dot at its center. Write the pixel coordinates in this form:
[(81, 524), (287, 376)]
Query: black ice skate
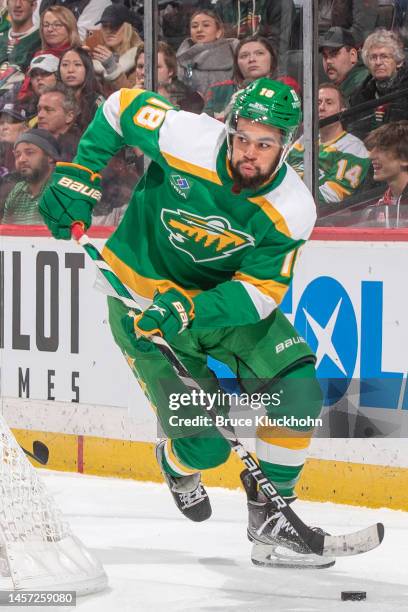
[(275, 542), (189, 494)]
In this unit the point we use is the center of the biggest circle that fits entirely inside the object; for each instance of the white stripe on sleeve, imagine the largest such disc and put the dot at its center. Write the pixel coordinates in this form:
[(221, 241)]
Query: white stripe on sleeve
[(264, 304), (111, 112)]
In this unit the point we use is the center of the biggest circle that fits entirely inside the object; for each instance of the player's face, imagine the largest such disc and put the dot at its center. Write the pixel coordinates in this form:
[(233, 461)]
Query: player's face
[(329, 102), (386, 165), (72, 70), (204, 29), (254, 61), (382, 63), (337, 63), (256, 149)]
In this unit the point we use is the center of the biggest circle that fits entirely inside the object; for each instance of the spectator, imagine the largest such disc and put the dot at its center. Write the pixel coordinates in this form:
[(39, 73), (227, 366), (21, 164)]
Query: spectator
[(57, 113), (384, 56), (13, 121), (169, 85), (358, 16), (76, 71), (116, 56), (4, 20), (18, 44), (343, 158), (41, 74), (206, 56), (254, 57), (388, 151), (86, 12), (36, 152), (341, 61), (58, 30), (273, 20)]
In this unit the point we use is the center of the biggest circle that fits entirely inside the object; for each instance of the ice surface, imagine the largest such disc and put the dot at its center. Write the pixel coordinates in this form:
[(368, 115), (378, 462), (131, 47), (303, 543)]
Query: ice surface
[(157, 560)]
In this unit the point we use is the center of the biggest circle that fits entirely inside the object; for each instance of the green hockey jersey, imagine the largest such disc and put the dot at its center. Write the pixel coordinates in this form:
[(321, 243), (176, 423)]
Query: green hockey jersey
[(343, 166), (233, 253)]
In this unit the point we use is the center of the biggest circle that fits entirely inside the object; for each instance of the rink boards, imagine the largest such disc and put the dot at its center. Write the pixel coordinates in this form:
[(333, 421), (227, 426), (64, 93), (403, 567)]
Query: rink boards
[(64, 381)]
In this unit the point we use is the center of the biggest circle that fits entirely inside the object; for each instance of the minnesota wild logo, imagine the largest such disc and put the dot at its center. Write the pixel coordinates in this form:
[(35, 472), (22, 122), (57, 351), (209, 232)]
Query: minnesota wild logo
[(203, 238)]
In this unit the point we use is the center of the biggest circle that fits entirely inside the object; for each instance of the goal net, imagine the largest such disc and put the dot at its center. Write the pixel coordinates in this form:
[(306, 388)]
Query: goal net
[(37, 548)]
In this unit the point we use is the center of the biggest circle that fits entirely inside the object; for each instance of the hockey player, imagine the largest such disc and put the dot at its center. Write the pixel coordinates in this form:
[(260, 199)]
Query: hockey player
[(343, 158), (208, 246)]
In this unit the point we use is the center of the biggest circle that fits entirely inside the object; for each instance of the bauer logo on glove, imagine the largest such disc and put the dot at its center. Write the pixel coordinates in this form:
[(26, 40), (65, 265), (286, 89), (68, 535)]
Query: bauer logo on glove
[(80, 188), (169, 315), (70, 197)]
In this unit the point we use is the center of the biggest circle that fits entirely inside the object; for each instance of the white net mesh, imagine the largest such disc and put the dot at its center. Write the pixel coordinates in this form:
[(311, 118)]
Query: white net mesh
[(37, 547), (26, 509)]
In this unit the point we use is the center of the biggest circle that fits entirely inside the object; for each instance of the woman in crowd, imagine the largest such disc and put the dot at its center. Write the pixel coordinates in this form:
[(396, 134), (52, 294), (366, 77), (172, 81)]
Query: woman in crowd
[(169, 85), (383, 54), (58, 30), (254, 58), (76, 71), (115, 56), (206, 56)]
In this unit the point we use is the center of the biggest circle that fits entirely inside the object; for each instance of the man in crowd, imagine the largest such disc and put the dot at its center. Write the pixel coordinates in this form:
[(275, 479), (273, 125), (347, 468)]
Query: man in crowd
[(388, 151), (341, 60), (36, 152), (57, 113), (18, 44), (343, 158)]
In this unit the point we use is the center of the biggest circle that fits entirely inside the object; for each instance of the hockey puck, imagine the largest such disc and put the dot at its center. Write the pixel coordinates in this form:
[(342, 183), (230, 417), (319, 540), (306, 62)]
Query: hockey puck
[(353, 595)]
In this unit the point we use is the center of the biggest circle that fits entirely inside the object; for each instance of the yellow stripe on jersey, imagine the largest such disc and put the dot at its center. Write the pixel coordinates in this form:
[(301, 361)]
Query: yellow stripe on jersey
[(126, 98), (285, 437), (273, 214), (160, 103), (180, 164), (341, 191), (142, 285), (269, 287)]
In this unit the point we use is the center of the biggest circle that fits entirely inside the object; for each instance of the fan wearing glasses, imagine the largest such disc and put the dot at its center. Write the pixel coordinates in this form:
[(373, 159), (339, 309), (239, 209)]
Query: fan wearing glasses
[(383, 54), (58, 30)]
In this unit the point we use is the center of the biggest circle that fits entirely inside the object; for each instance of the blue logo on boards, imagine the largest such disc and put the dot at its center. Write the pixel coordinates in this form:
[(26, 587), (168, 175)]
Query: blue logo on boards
[(326, 318)]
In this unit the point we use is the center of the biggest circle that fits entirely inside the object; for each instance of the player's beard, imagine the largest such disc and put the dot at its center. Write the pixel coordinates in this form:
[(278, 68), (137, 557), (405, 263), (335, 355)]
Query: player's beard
[(251, 182)]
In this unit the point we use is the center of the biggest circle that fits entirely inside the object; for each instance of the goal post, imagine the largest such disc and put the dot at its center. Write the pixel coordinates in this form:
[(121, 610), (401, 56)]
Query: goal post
[(37, 548)]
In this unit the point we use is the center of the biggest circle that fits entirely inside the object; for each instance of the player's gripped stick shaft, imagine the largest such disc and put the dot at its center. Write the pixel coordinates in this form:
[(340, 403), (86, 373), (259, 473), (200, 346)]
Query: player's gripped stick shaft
[(325, 545)]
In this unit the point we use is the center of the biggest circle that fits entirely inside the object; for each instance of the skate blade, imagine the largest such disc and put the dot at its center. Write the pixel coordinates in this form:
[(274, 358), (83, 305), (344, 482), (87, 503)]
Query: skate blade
[(268, 555)]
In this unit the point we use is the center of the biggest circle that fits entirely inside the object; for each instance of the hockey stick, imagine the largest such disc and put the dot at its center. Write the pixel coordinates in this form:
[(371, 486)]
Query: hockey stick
[(40, 452), (325, 545)]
